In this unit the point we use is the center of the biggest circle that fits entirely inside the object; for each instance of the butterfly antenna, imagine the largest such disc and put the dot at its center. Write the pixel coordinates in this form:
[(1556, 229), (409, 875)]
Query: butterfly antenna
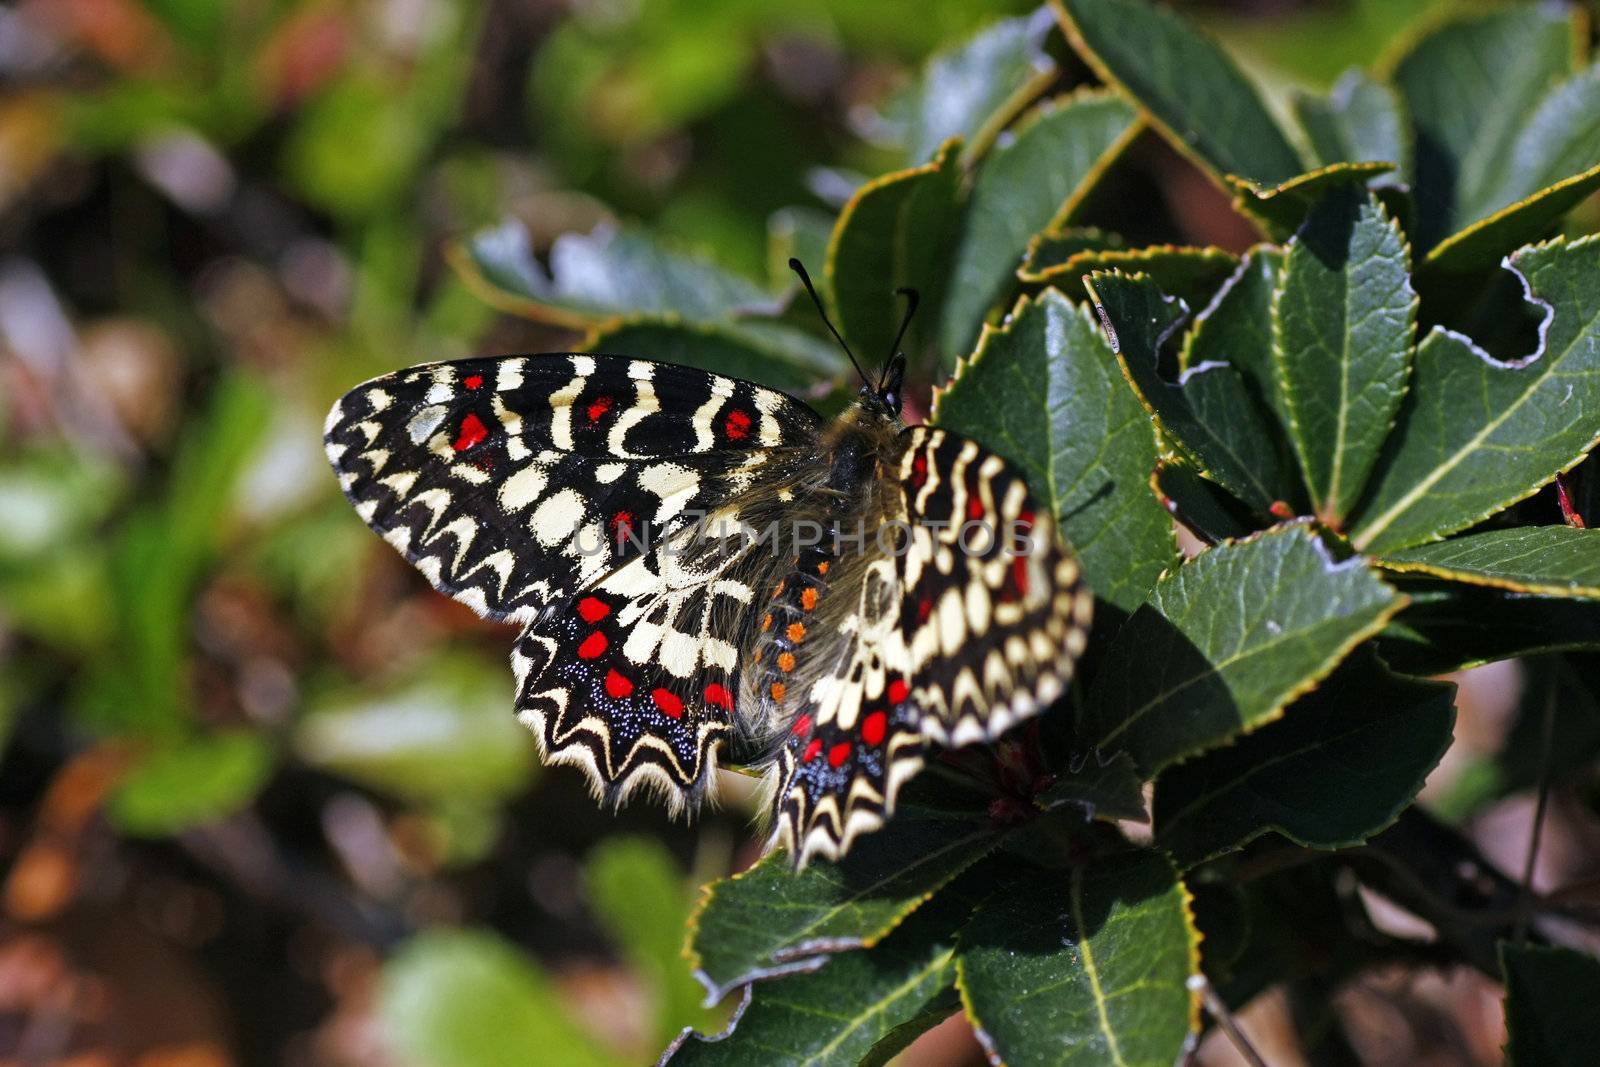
[(912, 298), (799, 268)]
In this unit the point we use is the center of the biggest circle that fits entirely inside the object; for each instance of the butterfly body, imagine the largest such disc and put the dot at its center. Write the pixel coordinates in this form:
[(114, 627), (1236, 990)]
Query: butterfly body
[(704, 570)]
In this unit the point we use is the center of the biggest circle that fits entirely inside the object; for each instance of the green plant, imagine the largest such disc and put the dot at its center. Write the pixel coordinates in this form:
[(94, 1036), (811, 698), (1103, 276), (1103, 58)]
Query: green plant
[(1359, 419)]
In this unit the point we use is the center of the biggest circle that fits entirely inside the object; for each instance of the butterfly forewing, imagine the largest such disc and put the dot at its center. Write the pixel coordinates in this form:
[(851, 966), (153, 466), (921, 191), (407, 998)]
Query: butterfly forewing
[(514, 482)]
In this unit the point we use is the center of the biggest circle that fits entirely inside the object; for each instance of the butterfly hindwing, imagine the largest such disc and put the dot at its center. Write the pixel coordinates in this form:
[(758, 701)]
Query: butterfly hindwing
[(513, 482), (969, 625)]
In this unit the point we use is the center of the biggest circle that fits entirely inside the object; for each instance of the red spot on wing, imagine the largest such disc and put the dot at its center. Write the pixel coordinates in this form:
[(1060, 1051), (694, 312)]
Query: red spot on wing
[(919, 470), (738, 424), (1019, 562), (924, 609), (811, 750), (593, 609), (621, 525), (473, 431), (719, 696), (599, 407), (802, 726), (974, 507), (898, 691), (473, 381), (592, 645), (874, 727), (617, 685), (668, 702), (838, 754)]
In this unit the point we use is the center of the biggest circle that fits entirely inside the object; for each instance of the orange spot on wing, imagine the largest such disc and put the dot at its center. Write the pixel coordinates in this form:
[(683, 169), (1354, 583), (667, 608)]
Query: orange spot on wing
[(796, 632), (808, 599), (786, 662), (778, 690)]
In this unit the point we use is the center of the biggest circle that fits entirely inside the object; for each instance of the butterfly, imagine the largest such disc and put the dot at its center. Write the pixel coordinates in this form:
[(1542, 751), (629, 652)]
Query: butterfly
[(705, 570)]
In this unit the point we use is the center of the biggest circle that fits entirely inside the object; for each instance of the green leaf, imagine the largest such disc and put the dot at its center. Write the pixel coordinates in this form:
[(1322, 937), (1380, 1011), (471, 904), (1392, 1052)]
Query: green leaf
[(1552, 560), (1550, 998), (1336, 769), (1037, 181), (1469, 86), (777, 356), (1105, 788), (1205, 508), (467, 999), (1192, 274), (640, 896), (1051, 248), (1360, 120), (1087, 966), (1226, 641), (1236, 328), (195, 782), (1207, 414), (862, 1007), (1044, 392), (1344, 321), (443, 736), (1449, 627), (1483, 244), (1185, 83), (1477, 434), (973, 89), (1280, 209), (771, 921), (599, 275), (895, 231)]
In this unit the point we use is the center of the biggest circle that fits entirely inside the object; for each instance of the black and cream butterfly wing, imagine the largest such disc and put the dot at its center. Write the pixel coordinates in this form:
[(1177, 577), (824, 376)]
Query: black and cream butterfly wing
[(541, 490), (971, 624)]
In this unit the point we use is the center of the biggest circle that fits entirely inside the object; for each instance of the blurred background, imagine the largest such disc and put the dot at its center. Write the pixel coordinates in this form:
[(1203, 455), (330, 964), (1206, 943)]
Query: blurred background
[(262, 800)]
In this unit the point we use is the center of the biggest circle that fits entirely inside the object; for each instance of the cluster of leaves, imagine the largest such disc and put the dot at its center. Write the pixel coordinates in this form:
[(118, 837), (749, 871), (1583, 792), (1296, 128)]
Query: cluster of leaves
[(1357, 417)]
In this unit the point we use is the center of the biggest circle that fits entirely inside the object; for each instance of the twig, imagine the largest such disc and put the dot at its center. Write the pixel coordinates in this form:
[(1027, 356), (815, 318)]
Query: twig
[(1198, 983)]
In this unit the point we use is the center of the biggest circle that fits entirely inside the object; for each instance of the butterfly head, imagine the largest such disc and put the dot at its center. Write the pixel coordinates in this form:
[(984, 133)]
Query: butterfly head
[(884, 396), (887, 396)]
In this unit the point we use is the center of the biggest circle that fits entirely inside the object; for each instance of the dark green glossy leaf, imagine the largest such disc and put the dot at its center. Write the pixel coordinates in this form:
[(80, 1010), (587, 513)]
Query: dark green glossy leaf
[(1550, 560), (1449, 627), (1346, 314), (1208, 511), (1280, 209), (1477, 434), (973, 89), (1105, 788), (1192, 274), (1226, 641), (193, 783), (1044, 392), (1337, 768), (1190, 88), (861, 1007), (599, 275), (894, 232), (1469, 85), (1360, 120), (1550, 999), (771, 353), (1207, 414), (770, 920), (1052, 248), (1036, 182), (1086, 966), (1483, 244), (468, 999)]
